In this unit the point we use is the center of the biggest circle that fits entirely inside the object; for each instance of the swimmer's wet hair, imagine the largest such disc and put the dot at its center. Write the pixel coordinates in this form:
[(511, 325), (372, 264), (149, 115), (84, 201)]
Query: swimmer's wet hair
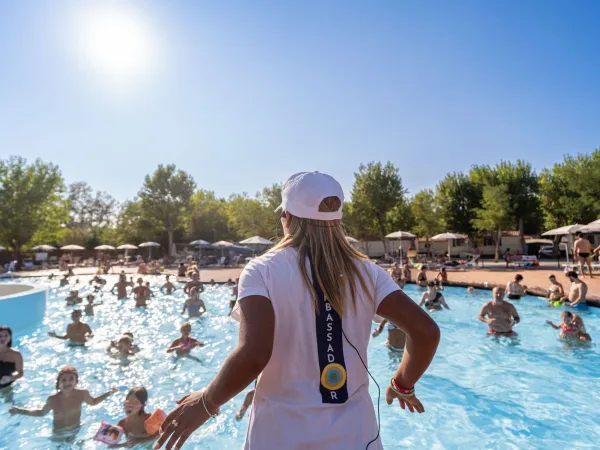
[(5, 328), (141, 394), (65, 370), (186, 325), (566, 314)]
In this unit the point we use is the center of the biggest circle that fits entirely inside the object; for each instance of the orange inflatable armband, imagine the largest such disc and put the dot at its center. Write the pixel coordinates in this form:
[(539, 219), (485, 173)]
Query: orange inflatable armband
[(152, 425)]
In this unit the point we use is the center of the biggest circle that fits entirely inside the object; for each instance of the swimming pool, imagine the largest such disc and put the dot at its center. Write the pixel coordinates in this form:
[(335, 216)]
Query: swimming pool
[(481, 392)]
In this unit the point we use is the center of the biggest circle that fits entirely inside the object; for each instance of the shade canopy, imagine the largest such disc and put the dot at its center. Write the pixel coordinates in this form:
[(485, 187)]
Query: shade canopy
[(447, 237), (200, 243), (127, 247), (223, 244), (104, 247), (351, 240), (592, 227), (149, 244), (2, 248), (256, 240), (400, 235), (595, 222), (72, 247), (568, 229), (43, 248)]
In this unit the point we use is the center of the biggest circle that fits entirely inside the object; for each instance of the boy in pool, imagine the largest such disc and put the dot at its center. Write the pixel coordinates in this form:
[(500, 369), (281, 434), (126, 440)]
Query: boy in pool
[(184, 344), (124, 347), (168, 286), (73, 298), (567, 330), (194, 304), (77, 331), (134, 347), (134, 423), (500, 316), (66, 402)]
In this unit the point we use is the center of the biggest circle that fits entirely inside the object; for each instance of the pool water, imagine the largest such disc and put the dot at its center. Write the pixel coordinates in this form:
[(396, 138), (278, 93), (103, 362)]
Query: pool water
[(481, 392)]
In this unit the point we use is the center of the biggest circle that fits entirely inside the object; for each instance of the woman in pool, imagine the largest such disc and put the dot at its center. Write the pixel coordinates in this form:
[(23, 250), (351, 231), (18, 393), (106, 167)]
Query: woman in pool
[(88, 308), (396, 339), (141, 293), (134, 423), (194, 304), (433, 299), (566, 327), (406, 273), (73, 298), (442, 276), (312, 278), (580, 328), (184, 344), (422, 277), (515, 289), (77, 331), (66, 402), (555, 292), (11, 360)]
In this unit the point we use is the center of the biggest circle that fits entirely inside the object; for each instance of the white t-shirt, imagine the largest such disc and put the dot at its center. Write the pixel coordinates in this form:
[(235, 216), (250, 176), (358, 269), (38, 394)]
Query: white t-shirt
[(288, 411)]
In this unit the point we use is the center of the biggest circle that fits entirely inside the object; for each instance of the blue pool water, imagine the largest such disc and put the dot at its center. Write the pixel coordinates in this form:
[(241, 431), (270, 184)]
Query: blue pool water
[(481, 392)]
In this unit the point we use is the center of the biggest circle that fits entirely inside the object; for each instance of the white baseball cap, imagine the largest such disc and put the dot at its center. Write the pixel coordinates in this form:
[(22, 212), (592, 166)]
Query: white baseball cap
[(303, 193)]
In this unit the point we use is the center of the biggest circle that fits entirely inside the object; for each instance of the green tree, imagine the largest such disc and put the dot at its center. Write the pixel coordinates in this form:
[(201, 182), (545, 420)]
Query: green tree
[(495, 214), (377, 190), (249, 217), (207, 217), (165, 197), (31, 201), (270, 197), (458, 197), (427, 217), (133, 226)]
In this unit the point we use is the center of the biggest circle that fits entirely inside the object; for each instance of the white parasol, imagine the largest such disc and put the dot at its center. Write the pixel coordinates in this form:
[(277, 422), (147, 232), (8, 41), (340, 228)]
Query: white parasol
[(447, 237), (567, 229), (150, 245), (43, 248), (400, 235), (72, 247), (256, 240), (104, 247)]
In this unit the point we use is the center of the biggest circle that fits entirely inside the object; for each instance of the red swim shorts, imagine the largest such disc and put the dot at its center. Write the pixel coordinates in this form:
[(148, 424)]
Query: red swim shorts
[(502, 333)]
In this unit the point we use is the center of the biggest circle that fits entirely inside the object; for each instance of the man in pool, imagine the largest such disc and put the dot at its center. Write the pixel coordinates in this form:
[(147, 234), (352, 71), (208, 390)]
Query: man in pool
[(194, 283), (77, 331), (73, 298), (581, 251), (168, 286), (122, 286), (500, 316), (577, 292)]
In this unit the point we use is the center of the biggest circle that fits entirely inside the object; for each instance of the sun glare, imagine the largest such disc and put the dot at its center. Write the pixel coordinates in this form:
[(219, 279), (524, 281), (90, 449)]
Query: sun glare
[(116, 44)]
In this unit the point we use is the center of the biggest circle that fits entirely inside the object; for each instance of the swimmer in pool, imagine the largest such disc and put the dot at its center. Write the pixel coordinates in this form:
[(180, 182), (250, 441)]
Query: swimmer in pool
[(122, 286), (149, 290), (181, 271), (422, 277), (124, 347), (66, 402), (582, 334), (168, 286), (234, 295), (247, 402), (577, 292), (567, 330), (184, 344), (77, 331), (140, 293), (515, 289), (115, 344), (134, 423), (11, 360), (396, 337), (500, 316), (73, 298), (433, 299), (194, 304), (406, 273), (98, 282), (194, 283), (555, 292), (395, 272), (64, 281), (471, 290), (88, 308)]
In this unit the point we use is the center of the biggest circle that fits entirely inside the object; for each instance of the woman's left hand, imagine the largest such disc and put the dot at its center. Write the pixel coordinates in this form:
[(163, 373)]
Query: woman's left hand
[(182, 421)]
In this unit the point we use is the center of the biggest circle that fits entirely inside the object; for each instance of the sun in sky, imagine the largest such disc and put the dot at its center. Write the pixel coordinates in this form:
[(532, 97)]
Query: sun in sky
[(116, 44)]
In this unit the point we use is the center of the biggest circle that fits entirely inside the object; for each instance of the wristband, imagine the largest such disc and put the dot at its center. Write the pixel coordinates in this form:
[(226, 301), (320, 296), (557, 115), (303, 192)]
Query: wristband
[(402, 392), (206, 409)]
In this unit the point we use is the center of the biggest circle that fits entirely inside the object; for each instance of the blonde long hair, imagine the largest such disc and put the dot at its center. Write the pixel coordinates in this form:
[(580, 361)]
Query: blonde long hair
[(334, 259)]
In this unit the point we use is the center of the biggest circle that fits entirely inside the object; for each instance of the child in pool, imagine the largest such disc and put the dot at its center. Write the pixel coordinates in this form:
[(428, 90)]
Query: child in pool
[(194, 304), (134, 347), (73, 298), (134, 423), (184, 344), (567, 330), (66, 402), (77, 332), (123, 347), (577, 323)]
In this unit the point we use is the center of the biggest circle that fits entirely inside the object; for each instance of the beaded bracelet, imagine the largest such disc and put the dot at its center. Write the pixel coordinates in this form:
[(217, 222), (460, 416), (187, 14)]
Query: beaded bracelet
[(206, 409), (402, 392)]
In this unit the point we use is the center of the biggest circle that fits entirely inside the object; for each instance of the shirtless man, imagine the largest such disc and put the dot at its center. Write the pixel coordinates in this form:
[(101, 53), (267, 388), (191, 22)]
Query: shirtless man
[(577, 292), (433, 299), (73, 298), (168, 286), (500, 316), (581, 251), (77, 331), (122, 286), (194, 283)]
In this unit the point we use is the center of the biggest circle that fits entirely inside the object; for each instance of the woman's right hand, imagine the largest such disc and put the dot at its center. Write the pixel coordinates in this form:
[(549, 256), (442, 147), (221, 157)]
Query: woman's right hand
[(412, 403)]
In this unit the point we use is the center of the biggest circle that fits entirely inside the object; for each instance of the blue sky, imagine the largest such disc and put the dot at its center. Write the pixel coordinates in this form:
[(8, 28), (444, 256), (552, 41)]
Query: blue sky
[(243, 94)]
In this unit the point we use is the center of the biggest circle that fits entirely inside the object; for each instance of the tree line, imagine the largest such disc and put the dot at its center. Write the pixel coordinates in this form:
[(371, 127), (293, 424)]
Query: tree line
[(38, 207)]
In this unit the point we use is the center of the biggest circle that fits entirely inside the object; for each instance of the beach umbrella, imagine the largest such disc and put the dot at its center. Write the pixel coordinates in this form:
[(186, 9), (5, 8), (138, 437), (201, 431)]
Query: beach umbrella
[(200, 243), (567, 229), (71, 248), (222, 245), (400, 235), (256, 240), (351, 240), (150, 245), (593, 227), (126, 247), (43, 248), (104, 247), (447, 237)]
